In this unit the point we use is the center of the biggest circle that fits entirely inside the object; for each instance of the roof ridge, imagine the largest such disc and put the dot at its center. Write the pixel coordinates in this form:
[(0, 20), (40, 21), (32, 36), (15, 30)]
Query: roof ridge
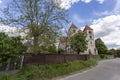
[(73, 26), (87, 28)]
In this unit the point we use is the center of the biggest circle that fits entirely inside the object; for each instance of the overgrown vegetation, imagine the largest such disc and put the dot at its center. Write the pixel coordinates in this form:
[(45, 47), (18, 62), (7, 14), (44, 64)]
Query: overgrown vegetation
[(9, 47), (114, 52), (78, 42), (47, 72), (43, 20), (101, 47)]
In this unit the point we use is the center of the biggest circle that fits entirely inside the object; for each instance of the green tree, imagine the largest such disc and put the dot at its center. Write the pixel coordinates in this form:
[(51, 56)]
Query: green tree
[(111, 52), (78, 42), (42, 18), (101, 47), (118, 53), (10, 47)]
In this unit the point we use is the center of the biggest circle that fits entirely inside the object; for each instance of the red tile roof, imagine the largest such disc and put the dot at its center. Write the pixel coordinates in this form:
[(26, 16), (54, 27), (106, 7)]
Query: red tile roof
[(63, 39), (73, 26), (87, 28)]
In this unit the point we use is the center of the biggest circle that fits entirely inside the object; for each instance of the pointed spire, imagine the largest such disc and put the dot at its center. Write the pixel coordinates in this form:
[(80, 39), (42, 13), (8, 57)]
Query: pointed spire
[(73, 26), (87, 28)]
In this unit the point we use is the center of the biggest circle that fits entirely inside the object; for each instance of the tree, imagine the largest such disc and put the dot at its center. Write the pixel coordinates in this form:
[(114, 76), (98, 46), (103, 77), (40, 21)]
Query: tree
[(101, 47), (42, 18), (117, 53), (78, 42), (10, 47), (111, 52)]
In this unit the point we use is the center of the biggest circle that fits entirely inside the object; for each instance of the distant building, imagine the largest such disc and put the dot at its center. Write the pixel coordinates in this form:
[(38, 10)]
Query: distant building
[(64, 43)]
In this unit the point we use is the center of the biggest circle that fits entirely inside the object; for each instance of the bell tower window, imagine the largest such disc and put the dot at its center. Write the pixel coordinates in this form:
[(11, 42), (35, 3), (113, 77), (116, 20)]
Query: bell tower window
[(90, 32), (90, 37)]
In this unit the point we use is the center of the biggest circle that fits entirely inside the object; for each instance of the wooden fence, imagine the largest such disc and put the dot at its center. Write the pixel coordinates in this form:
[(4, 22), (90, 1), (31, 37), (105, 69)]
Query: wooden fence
[(52, 58)]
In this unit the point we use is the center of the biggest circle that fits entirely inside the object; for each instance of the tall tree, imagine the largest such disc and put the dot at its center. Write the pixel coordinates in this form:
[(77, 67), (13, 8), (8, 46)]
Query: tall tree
[(78, 42), (42, 18), (10, 47), (118, 53), (101, 47)]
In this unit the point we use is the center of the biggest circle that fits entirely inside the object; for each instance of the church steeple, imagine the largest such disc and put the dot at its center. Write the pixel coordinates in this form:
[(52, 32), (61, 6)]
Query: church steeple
[(73, 26), (87, 28), (72, 29)]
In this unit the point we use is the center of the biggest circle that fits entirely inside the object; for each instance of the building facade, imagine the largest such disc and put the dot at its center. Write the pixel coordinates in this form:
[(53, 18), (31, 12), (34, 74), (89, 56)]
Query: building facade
[(64, 43)]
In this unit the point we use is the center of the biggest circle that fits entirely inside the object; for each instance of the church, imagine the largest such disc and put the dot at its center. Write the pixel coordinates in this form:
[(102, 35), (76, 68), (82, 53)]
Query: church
[(64, 42)]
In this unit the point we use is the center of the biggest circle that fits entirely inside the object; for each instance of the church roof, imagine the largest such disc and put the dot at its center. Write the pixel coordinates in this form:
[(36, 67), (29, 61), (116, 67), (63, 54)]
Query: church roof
[(63, 39), (73, 26), (87, 28)]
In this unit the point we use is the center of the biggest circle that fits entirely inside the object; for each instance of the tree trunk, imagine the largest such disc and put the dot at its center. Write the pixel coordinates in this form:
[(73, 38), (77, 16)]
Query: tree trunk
[(8, 65), (36, 45)]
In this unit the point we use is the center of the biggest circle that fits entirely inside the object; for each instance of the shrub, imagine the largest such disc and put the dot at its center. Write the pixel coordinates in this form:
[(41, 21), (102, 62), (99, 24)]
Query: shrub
[(102, 56)]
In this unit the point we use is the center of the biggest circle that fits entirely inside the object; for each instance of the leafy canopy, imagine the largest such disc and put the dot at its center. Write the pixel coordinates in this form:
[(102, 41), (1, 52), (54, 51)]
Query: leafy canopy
[(101, 47), (10, 47), (78, 42), (42, 18)]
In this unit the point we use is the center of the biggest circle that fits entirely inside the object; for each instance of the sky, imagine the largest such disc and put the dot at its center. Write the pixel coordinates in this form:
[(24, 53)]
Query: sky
[(101, 15)]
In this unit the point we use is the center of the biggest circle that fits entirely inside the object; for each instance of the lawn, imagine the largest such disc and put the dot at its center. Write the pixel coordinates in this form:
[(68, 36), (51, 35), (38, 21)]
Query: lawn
[(48, 72)]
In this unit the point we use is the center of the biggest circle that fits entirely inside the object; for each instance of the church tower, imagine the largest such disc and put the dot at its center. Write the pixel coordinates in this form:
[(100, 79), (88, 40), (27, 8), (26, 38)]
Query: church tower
[(72, 30), (90, 39)]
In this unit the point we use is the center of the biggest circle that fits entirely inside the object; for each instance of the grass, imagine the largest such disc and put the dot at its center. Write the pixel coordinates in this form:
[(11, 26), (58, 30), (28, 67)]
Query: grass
[(48, 72)]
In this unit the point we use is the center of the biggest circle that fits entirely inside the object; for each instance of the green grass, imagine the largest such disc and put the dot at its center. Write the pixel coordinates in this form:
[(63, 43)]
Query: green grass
[(47, 72)]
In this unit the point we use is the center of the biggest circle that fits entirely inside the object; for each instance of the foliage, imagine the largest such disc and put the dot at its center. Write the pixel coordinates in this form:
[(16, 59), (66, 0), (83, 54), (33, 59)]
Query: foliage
[(78, 42), (101, 47), (111, 52), (9, 47), (118, 53), (60, 51), (114, 52), (49, 49), (102, 56), (52, 49), (47, 72), (43, 20)]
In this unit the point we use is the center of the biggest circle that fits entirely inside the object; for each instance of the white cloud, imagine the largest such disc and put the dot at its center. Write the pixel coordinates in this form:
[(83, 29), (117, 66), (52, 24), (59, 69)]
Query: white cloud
[(86, 1), (66, 4), (11, 31), (115, 11), (103, 13), (117, 7), (0, 1), (100, 1), (108, 29), (77, 18)]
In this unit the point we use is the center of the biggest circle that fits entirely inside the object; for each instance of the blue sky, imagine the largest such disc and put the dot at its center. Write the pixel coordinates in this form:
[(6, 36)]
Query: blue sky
[(82, 13), (101, 15)]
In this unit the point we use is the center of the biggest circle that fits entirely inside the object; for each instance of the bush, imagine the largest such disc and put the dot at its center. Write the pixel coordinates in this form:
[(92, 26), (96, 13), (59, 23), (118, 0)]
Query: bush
[(47, 72), (102, 56)]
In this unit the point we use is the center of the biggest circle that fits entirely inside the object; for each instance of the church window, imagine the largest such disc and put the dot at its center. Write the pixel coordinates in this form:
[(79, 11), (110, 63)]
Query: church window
[(90, 32), (90, 37), (74, 31)]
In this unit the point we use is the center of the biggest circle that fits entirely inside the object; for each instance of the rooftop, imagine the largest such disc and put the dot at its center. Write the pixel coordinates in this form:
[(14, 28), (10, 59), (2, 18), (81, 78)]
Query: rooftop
[(87, 28)]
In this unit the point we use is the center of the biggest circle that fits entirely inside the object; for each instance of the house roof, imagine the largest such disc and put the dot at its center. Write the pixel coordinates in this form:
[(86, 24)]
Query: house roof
[(63, 39), (73, 26), (87, 28)]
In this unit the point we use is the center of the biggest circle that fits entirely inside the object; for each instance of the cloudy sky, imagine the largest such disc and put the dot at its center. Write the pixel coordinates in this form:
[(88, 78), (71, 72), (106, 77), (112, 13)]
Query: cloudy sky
[(102, 15)]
